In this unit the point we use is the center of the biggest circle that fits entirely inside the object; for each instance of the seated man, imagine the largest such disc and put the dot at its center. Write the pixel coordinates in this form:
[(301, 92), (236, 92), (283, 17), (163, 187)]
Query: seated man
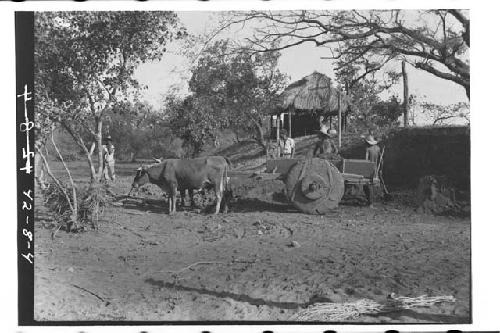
[(325, 148)]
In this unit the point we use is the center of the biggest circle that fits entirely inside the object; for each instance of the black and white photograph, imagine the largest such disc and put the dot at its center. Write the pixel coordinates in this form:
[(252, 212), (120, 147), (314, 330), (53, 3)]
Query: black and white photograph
[(305, 166)]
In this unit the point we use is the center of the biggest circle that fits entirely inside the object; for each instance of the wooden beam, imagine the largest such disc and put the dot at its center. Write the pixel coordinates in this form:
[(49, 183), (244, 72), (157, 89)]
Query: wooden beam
[(289, 124), (278, 120)]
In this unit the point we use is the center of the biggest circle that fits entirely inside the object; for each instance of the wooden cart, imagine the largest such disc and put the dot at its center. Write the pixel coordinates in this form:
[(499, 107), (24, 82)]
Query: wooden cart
[(316, 186)]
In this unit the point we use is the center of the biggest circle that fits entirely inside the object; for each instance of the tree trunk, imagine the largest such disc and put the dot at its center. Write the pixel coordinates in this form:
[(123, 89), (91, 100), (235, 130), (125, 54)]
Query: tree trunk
[(73, 204), (100, 159), (74, 207), (79, 141), (93, 175), (405, 93), (260, 134)]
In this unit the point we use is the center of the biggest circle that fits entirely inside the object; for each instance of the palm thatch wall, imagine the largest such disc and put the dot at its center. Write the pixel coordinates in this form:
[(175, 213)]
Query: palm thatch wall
[(313, 93)]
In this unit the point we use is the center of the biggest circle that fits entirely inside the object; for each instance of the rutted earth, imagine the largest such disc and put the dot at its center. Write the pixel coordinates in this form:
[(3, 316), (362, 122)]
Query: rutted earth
[(262, 261)]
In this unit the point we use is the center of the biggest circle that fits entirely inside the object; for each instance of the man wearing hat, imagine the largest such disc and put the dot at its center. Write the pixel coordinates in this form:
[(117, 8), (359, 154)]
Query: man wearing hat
[(325, 147), (372, 149), (287, 145), (109, 158)]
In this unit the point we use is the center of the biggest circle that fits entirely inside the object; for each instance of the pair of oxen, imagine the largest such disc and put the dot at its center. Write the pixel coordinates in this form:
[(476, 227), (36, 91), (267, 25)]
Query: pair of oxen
[(187, 174)]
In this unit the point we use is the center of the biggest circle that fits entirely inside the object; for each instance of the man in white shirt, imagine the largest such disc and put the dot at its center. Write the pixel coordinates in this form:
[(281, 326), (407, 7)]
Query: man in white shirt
[(109, 159), (287, 145)]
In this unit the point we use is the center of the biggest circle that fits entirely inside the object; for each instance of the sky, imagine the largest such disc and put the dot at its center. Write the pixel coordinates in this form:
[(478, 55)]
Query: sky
[(172, 71)]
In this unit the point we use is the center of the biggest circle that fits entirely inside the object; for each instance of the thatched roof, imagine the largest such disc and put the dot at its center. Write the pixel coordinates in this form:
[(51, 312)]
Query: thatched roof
[(313, 93)]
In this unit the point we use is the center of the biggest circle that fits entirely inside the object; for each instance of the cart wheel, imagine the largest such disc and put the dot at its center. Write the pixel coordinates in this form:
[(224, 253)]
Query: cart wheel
[(315, 186)]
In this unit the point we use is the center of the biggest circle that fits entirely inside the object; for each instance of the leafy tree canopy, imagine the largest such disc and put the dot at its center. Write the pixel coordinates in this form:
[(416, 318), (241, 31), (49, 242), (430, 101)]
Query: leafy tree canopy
[(84, 64), (230, 90)]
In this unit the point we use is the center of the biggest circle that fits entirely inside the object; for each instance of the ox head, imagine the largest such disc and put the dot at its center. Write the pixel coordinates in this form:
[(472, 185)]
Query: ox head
[(141, 177)]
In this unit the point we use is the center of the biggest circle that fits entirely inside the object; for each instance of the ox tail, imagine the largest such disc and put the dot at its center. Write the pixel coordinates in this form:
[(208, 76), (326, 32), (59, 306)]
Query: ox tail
[(225, 190), (226, 178), (228, 161)]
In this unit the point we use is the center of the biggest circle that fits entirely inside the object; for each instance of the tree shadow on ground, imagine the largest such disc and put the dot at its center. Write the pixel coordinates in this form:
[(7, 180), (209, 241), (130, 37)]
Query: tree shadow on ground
[(160, 206), (250, 205), (145, 205), (433, 318), (238, 297), (429, 317)]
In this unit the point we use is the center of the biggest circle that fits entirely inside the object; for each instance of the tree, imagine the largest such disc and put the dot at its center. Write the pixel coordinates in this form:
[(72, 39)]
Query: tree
[(436, 41), (195, 121), (386, 113), (441, 114), (230, 90), (361, 88), (84, 65)]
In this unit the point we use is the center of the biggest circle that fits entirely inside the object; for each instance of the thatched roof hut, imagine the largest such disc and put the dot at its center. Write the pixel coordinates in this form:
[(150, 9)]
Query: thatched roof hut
[(313, 93)]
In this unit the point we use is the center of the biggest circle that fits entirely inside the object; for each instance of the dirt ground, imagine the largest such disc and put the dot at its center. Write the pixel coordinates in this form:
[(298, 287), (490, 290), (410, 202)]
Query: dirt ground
[(263, 261)]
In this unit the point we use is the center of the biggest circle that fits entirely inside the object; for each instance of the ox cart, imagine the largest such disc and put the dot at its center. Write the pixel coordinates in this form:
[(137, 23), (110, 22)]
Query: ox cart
[(316, 186)]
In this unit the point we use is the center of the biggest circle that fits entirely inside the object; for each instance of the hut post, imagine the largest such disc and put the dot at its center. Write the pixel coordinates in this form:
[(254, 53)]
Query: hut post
[(339, 125), (278, 120), (289, 123)]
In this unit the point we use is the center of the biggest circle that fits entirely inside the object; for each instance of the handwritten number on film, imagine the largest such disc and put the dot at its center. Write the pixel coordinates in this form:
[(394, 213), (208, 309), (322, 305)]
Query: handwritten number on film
[(28, 205), (26, 126)]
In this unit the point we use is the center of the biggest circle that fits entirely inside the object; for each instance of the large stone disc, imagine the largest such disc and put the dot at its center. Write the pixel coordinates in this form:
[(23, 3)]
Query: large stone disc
[(315, 186)]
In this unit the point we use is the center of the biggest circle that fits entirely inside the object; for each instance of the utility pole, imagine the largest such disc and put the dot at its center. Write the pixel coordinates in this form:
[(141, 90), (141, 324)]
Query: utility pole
[(405, 93), (340, 118)]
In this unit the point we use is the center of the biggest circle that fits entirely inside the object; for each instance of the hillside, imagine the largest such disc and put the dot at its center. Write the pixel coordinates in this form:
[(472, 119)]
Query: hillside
[(249, 156)]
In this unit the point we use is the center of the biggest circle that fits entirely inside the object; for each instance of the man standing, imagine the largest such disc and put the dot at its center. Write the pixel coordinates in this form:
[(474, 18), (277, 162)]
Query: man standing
[(287, 145), (372, 155), (372, 149), (109, 159)]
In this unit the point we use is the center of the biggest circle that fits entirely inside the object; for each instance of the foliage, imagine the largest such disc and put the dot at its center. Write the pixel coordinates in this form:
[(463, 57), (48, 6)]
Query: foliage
[(442, 114), (230, 90), (194, 121), (386, 113), (136, 130), (84, 65)]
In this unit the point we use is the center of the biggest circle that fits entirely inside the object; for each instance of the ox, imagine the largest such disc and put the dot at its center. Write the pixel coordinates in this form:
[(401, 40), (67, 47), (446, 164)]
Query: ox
[(198, 173)]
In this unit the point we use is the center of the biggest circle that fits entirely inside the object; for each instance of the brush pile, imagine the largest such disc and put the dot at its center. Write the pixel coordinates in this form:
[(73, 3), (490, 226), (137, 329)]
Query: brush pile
[(55, 200), (338, 312), (90, 204)]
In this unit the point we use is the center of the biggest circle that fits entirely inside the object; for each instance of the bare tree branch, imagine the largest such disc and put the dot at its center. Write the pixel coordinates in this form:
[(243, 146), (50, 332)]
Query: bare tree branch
[(367, 34)]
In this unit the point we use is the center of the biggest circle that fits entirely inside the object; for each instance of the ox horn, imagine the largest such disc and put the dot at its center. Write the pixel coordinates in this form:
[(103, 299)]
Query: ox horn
[(157, 160)]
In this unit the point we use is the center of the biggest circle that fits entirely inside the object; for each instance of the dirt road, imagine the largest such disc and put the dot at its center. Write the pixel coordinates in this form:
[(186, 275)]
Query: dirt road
[(262, 261)]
